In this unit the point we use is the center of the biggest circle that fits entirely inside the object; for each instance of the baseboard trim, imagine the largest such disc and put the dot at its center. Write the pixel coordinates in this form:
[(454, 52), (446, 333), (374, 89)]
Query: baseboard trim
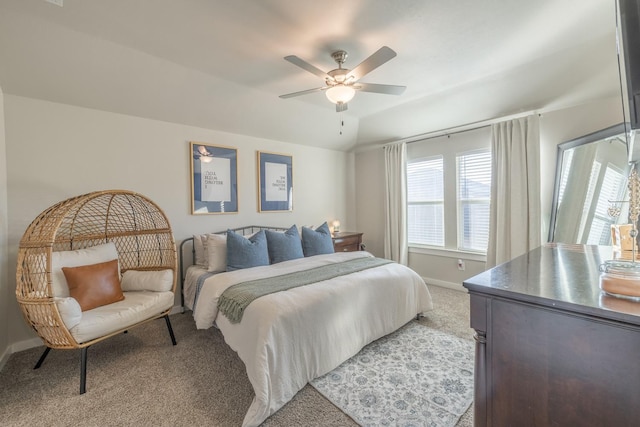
[(444, 284), (4, 358), (17, 347), (176, 309), (26, 345)]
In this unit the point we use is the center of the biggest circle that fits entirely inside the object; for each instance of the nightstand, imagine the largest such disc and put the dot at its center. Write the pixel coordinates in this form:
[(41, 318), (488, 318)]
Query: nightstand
[(347, 241)]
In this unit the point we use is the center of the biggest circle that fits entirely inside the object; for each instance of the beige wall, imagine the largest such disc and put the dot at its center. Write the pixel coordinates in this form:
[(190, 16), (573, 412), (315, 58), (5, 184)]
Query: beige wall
[(442, 269), (56, 151), (5, 284), (555, 127), (369, 179)]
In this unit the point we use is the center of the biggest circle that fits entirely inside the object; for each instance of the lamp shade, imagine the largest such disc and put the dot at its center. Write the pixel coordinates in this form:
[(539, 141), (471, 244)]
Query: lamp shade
[(340, 94)]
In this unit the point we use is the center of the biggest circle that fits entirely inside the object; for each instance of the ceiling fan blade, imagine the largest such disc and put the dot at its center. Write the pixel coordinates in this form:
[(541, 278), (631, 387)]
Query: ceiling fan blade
[(378, 58), (376, 88), (304, 92), (341, 106), (306, 66)]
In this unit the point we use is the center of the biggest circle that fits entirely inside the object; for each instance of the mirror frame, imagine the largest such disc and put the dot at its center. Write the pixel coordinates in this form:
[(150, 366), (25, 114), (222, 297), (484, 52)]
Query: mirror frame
[(618, 129)]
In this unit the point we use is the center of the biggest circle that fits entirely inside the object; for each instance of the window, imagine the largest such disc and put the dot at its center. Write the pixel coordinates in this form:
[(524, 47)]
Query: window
[(588, 200), (448, 192), (425, 201), (474, 194), (567, 159), (613, 188)]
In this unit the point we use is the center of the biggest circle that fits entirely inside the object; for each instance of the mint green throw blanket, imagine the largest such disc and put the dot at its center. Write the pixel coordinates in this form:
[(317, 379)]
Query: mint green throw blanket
[(235, 299)]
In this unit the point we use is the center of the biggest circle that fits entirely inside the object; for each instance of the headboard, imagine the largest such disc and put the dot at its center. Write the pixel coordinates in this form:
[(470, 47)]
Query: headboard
[(187, 251)]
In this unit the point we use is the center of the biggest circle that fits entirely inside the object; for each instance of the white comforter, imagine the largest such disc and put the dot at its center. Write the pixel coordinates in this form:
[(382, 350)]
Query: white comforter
[(288, 338)]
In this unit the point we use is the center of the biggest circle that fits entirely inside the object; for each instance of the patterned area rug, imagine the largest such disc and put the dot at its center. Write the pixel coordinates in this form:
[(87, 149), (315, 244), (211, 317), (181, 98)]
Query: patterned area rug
[(416, 376)]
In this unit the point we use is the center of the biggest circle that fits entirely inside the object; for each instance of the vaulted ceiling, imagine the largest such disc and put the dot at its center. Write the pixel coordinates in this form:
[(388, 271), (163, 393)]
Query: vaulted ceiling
[(219, 64)]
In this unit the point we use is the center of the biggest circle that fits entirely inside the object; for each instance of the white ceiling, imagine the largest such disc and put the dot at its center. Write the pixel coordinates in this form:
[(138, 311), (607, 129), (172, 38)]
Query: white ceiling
[(219, 64)]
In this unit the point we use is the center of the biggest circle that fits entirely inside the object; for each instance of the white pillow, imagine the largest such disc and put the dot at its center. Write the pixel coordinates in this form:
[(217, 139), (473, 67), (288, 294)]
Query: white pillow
[(88, 256), (156, 281), (216, 252), (69, 310), (201, 249)]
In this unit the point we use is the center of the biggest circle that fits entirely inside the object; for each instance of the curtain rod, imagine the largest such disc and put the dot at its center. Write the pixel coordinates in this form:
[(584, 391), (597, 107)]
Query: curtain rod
[(461, 128)]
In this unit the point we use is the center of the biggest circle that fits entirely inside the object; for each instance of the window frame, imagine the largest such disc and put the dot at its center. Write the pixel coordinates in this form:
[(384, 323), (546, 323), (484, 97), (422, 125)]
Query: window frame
[(449, 146)]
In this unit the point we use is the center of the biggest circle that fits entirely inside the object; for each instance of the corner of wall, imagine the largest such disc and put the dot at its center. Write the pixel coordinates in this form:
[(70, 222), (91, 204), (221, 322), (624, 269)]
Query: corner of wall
[(4, 357), (4, 242)]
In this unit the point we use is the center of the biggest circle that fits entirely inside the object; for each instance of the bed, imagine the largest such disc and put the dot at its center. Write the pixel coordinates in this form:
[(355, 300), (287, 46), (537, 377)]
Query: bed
[(288, 338)]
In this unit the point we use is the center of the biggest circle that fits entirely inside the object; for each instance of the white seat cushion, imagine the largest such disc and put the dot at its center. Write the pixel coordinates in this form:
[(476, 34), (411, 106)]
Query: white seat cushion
[(156, 281), (70, 311), (136, 307)]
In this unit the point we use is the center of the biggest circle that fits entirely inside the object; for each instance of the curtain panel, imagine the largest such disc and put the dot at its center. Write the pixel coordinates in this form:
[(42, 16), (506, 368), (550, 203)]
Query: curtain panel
[(395, 203), (514, 226)]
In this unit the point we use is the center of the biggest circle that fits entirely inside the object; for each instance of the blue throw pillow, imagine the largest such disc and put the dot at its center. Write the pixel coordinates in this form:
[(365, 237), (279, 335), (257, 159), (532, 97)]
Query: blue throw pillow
[(284, 246), (246, 253), (318, 241)]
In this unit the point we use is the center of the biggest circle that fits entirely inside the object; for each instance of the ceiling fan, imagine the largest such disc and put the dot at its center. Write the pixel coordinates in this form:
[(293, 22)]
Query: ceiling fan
[(342, 83)]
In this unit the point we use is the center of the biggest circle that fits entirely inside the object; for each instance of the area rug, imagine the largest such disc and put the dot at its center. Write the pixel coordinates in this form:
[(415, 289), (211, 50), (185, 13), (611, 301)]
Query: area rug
[(416, 376)]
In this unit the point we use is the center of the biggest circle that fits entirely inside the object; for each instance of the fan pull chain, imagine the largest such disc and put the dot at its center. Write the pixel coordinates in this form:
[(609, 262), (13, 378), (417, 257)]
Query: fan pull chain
[(341, 123)]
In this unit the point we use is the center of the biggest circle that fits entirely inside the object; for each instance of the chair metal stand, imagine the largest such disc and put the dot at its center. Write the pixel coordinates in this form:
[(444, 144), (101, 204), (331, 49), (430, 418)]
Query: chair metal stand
[(83, 369), (173, 338), (83, 357), (44, 356)]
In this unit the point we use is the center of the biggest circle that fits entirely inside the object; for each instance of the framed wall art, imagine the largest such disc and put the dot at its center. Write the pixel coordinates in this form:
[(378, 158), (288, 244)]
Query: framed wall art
[(275, 182), (214, 179)]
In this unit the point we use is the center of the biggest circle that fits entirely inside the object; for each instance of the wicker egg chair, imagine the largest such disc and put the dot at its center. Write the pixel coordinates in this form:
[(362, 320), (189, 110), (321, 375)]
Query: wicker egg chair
[(143, 240)]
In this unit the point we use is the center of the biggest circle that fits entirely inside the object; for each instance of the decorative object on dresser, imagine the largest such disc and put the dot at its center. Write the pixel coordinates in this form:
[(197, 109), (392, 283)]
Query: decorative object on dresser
[(551, 347), (347, 241), (275, 182), (214, 179), (94, 266)]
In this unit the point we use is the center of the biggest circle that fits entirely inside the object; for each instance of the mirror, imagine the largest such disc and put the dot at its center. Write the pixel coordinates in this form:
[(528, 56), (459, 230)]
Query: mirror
[(627, 34), (590, 185)]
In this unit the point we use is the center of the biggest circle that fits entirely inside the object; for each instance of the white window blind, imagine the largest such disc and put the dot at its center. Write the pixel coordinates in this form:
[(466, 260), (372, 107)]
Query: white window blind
[(425, 201), (613, 188), (567, 159), (474, 195), (591, 189)]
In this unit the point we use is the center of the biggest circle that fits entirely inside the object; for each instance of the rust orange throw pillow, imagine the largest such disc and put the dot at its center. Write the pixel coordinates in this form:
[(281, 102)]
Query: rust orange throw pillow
[(94, 285)]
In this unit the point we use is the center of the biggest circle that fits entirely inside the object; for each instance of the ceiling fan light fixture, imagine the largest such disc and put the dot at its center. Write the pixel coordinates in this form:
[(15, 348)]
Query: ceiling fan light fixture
[(340, 84), (340, 94)]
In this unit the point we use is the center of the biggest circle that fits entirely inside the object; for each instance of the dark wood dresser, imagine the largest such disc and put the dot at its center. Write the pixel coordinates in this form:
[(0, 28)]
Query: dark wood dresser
[(551, 348), (347, 241)]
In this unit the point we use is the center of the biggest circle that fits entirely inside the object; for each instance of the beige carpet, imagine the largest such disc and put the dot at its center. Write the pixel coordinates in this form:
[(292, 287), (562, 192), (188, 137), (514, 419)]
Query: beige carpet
[(139, 378)]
